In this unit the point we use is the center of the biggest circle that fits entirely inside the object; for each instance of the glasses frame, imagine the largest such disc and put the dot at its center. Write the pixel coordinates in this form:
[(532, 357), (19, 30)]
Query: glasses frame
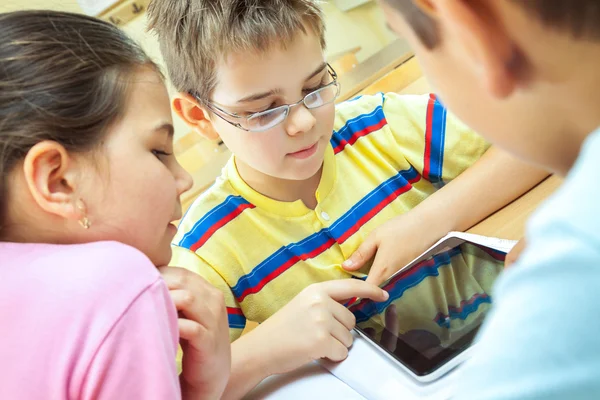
[(219, 111)]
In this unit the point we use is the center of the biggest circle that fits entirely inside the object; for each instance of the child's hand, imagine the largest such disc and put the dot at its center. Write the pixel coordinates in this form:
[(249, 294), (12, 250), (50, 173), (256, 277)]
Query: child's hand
[(203, 331), (393, 245), (314, 324)]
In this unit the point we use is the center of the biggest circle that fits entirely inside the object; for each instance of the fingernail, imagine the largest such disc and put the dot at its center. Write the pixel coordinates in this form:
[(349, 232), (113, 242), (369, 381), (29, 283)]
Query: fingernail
[(386, 295), (348, 263)]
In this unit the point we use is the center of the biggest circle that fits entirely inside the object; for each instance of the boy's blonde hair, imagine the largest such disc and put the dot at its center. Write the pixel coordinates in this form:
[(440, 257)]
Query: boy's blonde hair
[(196, 35)]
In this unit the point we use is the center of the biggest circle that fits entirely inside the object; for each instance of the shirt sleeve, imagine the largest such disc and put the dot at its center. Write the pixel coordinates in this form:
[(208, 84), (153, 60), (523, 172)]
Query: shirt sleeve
[(434, 142), (541, 341), (136, 360), (185, 258)]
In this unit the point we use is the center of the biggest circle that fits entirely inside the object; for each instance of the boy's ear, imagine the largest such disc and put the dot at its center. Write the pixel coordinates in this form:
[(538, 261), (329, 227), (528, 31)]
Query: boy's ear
[(476, 30), (51, 177), (188, 109), (427, 7)]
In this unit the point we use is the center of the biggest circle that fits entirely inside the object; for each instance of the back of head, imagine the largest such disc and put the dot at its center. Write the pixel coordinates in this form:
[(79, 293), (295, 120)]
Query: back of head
[(195, 35), (579, 18), (491, 60), (62, 78)]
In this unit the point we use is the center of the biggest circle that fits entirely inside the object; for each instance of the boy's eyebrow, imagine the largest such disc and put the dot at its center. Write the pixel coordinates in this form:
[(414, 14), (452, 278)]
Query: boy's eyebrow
[(259, 96), (316, 71)]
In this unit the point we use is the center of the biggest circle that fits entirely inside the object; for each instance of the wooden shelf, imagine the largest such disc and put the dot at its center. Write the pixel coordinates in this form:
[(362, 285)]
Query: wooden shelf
[(124, 11)]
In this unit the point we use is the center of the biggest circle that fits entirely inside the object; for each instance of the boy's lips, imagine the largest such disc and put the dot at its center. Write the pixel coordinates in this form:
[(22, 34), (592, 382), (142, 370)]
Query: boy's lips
[(305, 152)]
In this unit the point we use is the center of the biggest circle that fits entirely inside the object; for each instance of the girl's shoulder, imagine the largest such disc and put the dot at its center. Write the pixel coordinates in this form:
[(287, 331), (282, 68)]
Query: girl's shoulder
[(88, 271)]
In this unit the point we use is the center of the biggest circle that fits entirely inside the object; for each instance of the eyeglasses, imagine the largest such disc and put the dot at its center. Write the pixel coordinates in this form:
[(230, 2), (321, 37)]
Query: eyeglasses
[(265, 120)]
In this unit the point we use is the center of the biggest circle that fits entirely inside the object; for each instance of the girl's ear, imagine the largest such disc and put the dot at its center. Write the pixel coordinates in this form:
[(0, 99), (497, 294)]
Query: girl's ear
[(51, 177)]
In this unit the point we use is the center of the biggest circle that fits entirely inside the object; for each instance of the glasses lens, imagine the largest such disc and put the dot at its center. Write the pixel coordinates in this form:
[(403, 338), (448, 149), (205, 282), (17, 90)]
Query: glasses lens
[(267, 119), (322, 96)]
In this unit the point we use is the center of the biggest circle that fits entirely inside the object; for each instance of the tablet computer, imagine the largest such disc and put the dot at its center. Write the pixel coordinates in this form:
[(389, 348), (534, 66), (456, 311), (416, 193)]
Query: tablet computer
[(436, 306)]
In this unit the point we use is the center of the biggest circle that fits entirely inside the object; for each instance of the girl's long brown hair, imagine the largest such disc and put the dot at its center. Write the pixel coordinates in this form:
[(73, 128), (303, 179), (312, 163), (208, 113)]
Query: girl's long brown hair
[(63, 77)]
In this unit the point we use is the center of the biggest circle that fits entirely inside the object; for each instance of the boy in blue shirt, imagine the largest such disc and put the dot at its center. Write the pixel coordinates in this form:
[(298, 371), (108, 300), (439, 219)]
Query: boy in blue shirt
[(526, 75)]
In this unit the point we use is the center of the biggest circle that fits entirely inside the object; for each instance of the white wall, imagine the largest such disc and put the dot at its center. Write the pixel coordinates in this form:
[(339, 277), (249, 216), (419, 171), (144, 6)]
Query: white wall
[(137, 30), (58, 5), (363, 26)]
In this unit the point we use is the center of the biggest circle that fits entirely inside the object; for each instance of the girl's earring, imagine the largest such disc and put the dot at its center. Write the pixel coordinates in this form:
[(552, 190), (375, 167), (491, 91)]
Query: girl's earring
[(84, 221)]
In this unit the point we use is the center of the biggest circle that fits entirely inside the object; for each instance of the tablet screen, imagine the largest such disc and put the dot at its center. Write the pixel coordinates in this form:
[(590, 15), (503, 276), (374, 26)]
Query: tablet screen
[(435, 307)]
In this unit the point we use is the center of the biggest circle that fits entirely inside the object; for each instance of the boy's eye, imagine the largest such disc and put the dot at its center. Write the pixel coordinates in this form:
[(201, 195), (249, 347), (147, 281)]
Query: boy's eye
[(310, 90), (249, 113), (305, 91)]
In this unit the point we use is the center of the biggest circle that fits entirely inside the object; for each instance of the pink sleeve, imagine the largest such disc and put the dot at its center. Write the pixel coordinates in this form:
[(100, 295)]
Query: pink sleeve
[(137, 358)]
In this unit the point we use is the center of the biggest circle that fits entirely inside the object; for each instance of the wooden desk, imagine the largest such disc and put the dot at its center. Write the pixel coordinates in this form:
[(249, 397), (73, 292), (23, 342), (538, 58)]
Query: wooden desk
[(374, 68), (345, 61), (509, 222)]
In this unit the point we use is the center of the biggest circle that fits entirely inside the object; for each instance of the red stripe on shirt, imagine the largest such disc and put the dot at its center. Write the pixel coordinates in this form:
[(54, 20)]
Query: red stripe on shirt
[(234, 311), (284, 267), (222, 222), (428, 134), (359, 134), (367, 217)]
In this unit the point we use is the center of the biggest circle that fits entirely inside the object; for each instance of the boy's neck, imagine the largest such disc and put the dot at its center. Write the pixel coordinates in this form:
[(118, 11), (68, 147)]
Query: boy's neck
[(281, 189)]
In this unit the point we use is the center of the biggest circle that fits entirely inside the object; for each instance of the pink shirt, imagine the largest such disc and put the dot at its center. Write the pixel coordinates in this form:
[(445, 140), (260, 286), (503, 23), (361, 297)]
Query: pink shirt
[(92, 321)]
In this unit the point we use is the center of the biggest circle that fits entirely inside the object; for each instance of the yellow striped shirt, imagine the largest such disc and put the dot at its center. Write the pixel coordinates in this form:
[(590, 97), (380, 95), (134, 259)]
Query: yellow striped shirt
[(387, 154)]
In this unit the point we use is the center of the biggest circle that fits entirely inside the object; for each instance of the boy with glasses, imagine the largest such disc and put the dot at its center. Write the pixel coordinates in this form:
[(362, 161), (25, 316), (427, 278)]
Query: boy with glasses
[(310, 181), (265, 120)]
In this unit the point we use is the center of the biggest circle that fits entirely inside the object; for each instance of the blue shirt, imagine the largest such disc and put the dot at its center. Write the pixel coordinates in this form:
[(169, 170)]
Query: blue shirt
[(542, 339)]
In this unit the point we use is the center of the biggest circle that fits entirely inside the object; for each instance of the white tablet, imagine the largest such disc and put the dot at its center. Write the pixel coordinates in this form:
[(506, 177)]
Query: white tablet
[(436, 306)]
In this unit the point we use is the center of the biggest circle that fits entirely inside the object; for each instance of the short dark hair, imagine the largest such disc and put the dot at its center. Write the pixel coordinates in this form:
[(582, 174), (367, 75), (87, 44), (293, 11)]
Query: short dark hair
[(579, 18), (424, 26)]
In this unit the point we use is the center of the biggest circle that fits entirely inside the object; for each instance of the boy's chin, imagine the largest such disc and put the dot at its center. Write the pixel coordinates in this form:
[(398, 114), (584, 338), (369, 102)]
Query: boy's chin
[(304, 173)]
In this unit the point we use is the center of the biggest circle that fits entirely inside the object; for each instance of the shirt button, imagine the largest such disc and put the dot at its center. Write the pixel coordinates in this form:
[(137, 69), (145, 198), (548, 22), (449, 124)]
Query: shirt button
[(325, 216)]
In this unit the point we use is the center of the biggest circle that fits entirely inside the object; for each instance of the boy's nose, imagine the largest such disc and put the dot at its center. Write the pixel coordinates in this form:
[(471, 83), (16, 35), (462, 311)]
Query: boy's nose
[(299, 120)]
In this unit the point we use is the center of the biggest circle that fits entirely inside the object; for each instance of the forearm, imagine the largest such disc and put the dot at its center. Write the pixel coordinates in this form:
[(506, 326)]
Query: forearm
[(495, 180), (249, 365)]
